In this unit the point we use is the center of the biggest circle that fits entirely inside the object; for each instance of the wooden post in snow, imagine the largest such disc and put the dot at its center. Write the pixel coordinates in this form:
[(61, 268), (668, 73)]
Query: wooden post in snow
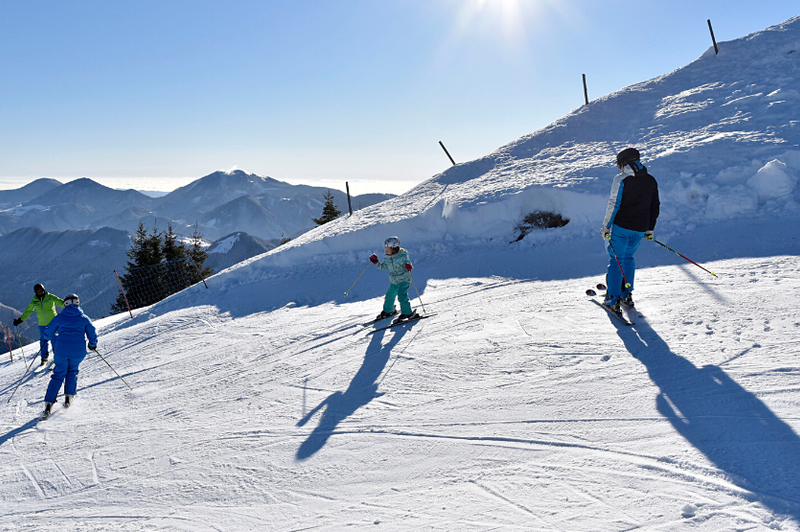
[(447, 152), (716, 48), (585, 90)]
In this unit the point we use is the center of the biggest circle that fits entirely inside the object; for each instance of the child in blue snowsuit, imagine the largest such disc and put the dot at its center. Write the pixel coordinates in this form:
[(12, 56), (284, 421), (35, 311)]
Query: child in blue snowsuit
[(68, 331), (399, 266)]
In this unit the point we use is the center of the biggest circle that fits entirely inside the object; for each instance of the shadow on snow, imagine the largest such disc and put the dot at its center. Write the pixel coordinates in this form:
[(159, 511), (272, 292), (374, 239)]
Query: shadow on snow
[(362, 389), (735, 430)]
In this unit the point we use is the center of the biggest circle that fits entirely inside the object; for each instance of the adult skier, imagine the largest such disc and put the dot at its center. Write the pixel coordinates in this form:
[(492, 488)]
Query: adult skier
[(69, 331), (44, 304), (633, 208), (399, 266)]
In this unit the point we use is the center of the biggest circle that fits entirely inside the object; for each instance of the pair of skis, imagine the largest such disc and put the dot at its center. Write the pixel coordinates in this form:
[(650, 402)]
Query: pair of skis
[(396, 322), (617, 315)]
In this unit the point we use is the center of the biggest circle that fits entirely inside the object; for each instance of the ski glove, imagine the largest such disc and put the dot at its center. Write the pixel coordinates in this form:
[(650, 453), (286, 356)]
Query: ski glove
[(17, 322), (648, 235), (408, 266), (373, 258), (605, 232), (93, 347)]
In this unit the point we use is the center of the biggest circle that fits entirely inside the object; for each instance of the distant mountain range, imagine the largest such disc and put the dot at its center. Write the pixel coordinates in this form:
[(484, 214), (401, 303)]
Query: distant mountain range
[(64, 262), (69, 236), (220, 203), (84, 262)]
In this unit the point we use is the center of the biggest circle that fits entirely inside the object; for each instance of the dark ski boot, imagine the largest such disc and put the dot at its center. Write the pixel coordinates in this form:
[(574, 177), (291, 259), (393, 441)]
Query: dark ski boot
[(68, 399), (628, 301), (383, 315), (612, 304), (46, 413), (407, 317)]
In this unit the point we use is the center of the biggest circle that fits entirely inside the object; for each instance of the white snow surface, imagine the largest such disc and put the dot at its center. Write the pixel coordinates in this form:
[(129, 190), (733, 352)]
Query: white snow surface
[(261, 403)]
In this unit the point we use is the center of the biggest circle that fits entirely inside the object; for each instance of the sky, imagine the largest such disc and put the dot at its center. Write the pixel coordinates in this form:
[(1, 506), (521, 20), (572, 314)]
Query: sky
[(153, 95)]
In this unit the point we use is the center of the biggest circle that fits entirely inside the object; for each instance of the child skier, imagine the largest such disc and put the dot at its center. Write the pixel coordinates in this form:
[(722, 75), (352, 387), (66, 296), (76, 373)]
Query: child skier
[(399, 266), (68, 331), (44, 304)]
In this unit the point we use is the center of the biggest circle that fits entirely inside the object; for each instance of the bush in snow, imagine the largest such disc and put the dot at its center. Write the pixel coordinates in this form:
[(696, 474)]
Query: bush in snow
[(539, 220)]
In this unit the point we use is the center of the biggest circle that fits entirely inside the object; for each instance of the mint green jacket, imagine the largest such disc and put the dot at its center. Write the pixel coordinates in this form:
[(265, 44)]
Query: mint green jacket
[(45, 308), (396, 264)]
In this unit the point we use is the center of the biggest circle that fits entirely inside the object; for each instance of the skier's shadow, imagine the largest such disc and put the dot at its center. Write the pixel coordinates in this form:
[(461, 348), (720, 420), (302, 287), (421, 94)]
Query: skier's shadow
[(362, 389), (754, 448)]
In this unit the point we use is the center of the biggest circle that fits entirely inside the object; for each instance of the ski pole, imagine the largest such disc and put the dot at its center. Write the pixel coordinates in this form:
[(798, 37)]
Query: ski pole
[(681, 256), (627, 284), (418, 296), (112, 369), (27, 369), (357, 278)]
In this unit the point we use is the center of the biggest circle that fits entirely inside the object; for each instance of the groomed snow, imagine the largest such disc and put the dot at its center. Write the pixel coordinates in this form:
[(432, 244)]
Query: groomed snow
[(261, 403)]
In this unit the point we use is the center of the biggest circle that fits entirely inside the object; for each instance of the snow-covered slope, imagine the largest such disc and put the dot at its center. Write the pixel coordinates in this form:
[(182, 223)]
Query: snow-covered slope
[(261, 403)]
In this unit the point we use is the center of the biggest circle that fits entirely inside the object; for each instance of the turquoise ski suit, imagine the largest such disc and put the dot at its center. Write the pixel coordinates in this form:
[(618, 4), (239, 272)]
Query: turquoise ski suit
[(400, 280), (68, 331)]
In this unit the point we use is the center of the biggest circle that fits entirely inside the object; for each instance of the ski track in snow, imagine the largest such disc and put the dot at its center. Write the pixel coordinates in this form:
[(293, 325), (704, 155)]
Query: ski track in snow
[(485, 416)]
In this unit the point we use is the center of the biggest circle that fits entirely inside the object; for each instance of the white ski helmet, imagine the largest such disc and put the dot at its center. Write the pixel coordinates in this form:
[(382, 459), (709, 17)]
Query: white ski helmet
[(72, 299), (391, 242)]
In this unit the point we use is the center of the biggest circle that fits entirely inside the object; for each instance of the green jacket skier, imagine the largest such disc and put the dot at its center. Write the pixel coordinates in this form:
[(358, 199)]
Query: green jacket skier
[(44, 304)]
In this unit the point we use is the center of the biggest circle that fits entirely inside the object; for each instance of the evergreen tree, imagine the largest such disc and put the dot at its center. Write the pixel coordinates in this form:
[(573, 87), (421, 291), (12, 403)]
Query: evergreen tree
[(177, 273), (158, 266), (138, 256), (198, 254), (329, 210)]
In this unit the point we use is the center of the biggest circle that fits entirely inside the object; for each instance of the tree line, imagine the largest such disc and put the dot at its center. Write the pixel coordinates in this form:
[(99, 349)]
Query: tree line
[(160, 265)]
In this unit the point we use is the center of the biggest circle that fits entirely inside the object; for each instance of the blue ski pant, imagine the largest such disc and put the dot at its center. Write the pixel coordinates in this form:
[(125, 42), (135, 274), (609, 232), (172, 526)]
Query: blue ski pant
[(625, 243), (66, 372), (399, 291), (42, 342)]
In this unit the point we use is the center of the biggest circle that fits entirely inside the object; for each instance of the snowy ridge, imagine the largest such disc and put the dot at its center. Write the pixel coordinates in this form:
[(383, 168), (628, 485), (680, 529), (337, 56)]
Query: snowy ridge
[(261, 403), (720, 134)]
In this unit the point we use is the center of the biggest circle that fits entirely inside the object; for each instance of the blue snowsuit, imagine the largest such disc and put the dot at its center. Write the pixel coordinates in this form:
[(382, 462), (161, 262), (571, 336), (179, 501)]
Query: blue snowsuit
[(400, 279), (68, 331)]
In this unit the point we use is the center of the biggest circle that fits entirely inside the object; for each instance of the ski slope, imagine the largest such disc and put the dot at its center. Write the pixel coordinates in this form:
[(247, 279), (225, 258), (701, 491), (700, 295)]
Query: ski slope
[(262, 403)]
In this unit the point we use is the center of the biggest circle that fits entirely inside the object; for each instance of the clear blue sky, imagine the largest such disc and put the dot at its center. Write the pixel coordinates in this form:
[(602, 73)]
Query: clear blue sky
[(154, 94)]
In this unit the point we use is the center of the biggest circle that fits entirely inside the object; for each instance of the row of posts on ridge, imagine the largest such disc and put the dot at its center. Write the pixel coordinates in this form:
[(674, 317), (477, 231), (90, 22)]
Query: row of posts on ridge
[(585, 99)]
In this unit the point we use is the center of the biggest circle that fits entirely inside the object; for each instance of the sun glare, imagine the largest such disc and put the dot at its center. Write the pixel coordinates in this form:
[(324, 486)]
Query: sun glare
[(510, 20)]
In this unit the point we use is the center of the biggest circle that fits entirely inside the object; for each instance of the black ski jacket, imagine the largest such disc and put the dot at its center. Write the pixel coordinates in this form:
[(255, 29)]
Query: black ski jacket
[(633, 203)]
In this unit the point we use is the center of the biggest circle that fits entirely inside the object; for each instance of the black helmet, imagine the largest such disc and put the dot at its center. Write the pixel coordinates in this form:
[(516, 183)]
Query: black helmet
[(38, 288), (627, 156), (72, 299)]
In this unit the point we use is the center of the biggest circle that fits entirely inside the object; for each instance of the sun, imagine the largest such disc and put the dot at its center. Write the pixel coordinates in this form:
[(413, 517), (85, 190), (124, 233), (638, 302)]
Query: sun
[(509, 20)]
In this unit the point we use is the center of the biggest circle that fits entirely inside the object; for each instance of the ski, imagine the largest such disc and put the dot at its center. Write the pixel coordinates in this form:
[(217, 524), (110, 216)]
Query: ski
[(376, 320), (403, 322), (620, 317), (43, 365)]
